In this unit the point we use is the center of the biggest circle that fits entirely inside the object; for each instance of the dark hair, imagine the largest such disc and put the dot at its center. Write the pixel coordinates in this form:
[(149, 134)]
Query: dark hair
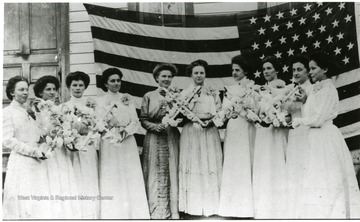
[(242, 62), (300, 59), (274, 61), (41, 83), (198, 62), (325, 61), (109, 72), (10, 86), (164, 66), (75, 76)]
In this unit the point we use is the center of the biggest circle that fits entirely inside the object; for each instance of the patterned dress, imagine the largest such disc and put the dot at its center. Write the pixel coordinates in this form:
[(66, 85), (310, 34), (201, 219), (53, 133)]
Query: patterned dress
[(160, 159)]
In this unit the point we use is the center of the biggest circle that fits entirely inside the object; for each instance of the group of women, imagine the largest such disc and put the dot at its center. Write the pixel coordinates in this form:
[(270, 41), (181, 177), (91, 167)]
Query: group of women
[(261, 172)]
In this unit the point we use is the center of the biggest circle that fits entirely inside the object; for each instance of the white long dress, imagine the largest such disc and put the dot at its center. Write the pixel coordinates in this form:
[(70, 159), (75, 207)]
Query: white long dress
[(26, 176), (122, 187), (236, 195), (269, 172), (62, 180), (85, 164), (200, 161), (296, 152), (330, 188)]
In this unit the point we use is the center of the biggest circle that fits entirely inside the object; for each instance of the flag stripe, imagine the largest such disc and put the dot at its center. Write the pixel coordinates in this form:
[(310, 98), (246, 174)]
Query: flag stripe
[(215, 71), (213, 58), (353, 142), (349, 104), (219, 45), (347, 118), (348, 91), (210, 33), (351, 130), (223, 20), (347, 78)]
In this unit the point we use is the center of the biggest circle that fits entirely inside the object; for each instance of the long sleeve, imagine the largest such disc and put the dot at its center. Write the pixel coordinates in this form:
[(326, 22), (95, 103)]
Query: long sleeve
[(144, 116), (134, 122), (322, 108), (9, 140)]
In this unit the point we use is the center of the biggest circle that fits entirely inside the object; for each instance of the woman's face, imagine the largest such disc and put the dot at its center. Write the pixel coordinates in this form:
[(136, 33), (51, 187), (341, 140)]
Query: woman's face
[(164, 78), (237, 72), (198, 75), (21, 92), (49, 92), (316, 73), (300, 73), (77, 88), (269, 71), (113, 83)]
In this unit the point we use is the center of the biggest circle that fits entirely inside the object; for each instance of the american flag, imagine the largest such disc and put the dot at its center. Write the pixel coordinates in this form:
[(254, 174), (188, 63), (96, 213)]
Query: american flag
[(135, 42)]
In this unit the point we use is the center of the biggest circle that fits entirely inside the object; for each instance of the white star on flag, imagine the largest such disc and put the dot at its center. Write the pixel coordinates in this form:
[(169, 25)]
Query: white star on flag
[(262, 57), (342, 5), (316, 16), (289, 24), (303, 49), (275, 28), (255, 46), (337, 51), (329, 39), (340, 35), (267, 18), (335, 23), (350, 46), (282, 40), (348, 18), (285, 68), (268, 44), (280, 15), (257, 74), (317, 44), (309, 33), (319, 3), (328, 11), (322, 28), (253, 20), (307, 7), (346, 60), (295, 38), (278, 55), (290, 52), (302, 21), (293, 12), (262, 31)]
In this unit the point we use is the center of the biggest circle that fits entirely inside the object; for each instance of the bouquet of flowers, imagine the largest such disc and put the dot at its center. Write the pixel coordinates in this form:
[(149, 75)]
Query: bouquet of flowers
[(234, 106), (181, 104), (51, 124), (115, 120)]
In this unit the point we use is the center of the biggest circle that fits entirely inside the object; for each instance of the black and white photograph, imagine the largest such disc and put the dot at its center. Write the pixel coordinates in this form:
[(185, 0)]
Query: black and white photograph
[(180, 110)]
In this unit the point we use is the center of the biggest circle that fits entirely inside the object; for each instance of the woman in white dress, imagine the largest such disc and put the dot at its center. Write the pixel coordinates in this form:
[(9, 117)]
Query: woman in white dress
[(200, 162), (269, 173), (85, 163), (236, 196), (297, 148), (26, 175), (329, 188), (60, 170), (122, 187)]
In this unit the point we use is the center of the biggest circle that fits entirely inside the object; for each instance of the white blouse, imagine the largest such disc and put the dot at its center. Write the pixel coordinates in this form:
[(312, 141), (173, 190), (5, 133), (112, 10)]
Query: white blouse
[(20, 131)]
